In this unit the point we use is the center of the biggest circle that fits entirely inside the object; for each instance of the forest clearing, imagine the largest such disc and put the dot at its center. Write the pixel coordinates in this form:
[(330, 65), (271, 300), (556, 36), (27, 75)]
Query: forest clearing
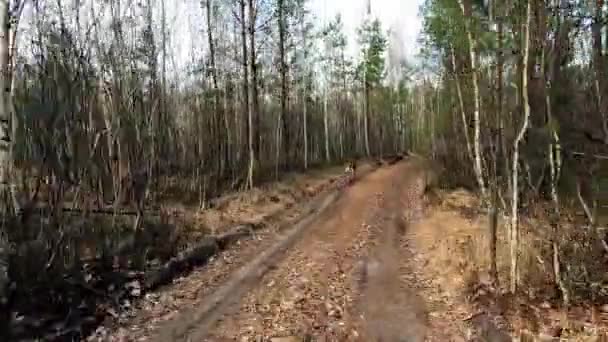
[(303, 170)]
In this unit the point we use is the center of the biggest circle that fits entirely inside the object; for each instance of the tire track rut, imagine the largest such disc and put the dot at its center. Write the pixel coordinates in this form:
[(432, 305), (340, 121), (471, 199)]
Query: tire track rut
[(351, 276)]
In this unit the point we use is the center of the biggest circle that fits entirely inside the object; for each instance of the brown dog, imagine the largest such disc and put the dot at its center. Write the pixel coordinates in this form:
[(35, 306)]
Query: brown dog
[(350, 170)]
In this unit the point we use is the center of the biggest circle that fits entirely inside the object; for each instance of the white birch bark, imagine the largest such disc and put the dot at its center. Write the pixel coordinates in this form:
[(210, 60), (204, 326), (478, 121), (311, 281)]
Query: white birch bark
[(476, 104), (5, 161), (514, 238)]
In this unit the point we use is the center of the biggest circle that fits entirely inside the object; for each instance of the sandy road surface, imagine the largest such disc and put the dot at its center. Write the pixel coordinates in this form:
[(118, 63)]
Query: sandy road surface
[(351, 276)]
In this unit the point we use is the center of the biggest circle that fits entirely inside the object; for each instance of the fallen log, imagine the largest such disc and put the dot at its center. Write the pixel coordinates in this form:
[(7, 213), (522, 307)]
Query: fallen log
[(234, 234), (210, 246), (392, 159), (183, 262), (44, 210), (205, 314), (196, 255)]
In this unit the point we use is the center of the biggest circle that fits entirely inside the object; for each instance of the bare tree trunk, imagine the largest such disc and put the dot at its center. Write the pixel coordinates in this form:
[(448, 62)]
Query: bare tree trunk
[(305, 93), (283, 70), (219, 123), (229, 125), (599, 62), (240, 120), (366, 115), (421, 118), (14, 17), (502, 143), (277, 141), (154, 125), (359, 135), (5, 161), (515, 169), (478, 164), (432, 121), (498, 155), (5, 111), (253, 85), (163, 76), (162, 111), (555, 165), (463, 116), (555, 161), (305, 118), (305, 104), (246, 101), (326, 126), (253, 104)]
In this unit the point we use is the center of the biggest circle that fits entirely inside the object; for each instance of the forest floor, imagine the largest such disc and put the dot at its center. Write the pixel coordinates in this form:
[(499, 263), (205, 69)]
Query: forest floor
[(380, 261)]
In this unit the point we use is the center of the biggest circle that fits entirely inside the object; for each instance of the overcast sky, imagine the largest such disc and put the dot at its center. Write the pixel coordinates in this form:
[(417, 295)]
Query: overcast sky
[(400, 15)]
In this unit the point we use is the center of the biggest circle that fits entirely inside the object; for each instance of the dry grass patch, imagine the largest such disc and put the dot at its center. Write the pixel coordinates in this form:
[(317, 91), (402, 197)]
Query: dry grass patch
[(456, 233)]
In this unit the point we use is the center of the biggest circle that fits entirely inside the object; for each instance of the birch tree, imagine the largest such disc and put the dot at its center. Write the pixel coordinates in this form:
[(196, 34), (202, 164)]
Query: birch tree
[(465, 6), (514, 233), (10, 13), (371, 68)]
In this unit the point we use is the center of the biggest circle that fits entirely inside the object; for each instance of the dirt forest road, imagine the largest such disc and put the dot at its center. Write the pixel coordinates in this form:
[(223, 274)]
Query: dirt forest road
[(351, 276)]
